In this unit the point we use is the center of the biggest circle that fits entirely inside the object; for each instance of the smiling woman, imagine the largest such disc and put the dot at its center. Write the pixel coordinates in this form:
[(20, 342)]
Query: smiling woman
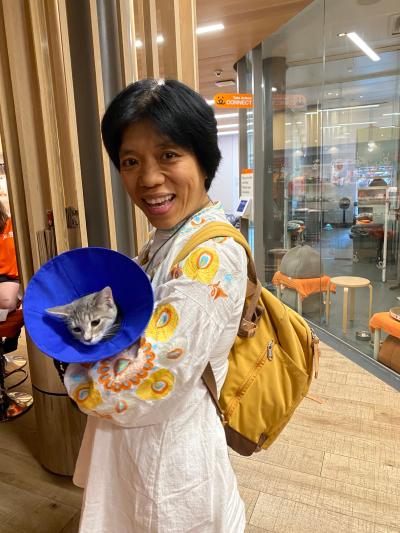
[(154, 456)]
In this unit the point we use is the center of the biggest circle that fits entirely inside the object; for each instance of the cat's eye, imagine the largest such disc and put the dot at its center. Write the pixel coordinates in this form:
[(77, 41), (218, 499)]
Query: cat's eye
[(95, 323), (76, 330)]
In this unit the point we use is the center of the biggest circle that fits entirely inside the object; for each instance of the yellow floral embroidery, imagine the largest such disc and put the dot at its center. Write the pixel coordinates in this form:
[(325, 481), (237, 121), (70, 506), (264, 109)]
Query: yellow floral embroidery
[(202, 265), (87, 396), (163, 323), (157, 386)]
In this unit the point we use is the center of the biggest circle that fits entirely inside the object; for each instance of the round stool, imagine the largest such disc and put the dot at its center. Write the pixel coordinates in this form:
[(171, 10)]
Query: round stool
[(12, 404), (352, 283)]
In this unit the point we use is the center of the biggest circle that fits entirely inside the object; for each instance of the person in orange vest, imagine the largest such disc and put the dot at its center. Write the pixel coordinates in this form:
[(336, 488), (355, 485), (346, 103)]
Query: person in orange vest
[(9, 277)]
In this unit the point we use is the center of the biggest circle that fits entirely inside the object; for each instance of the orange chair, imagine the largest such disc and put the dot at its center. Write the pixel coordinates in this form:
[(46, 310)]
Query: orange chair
[(12, 404)]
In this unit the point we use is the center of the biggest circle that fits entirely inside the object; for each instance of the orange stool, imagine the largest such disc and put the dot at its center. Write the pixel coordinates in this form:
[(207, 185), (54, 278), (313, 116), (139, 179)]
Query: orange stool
[(304, 287), (383, 321), (12, 404)]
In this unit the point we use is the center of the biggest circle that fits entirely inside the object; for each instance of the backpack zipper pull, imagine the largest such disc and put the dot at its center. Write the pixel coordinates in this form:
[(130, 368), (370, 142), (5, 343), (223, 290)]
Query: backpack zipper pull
[(316, 352), (270, 347)]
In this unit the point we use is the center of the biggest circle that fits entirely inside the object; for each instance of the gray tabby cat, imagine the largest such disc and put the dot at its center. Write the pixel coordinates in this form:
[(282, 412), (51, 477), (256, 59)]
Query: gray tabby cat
[(92, 318)]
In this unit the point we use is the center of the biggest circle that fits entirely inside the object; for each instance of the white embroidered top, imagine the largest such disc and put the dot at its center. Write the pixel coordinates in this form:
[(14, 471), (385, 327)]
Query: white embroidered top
[(154, 457)]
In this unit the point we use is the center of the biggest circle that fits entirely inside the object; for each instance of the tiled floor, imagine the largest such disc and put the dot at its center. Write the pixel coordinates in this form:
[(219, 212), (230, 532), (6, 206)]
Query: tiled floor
[(335, 468)]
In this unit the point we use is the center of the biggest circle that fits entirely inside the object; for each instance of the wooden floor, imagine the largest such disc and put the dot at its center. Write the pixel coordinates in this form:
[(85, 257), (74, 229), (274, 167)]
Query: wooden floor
[(335, 468)]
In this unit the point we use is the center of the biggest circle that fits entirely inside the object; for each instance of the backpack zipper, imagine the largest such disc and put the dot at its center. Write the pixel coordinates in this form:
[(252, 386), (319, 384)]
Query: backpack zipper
[(316, 352), (270, 347)]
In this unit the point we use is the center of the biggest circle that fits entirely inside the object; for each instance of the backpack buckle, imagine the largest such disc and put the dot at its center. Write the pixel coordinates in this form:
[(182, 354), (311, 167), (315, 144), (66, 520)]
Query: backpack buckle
[(247, 328), (260, 442)]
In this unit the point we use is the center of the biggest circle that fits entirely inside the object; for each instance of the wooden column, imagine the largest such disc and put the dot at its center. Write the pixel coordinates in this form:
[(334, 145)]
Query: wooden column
[(150, 38), (178, 26), (38, 133)]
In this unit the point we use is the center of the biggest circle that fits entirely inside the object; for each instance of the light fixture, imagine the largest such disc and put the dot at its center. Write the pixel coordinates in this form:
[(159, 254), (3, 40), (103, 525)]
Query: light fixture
[(390, 114), (160, 39), (138, 43), (210, 28), (299, 122), (274, 89), (288, 123), (234, 132), (361, 96), (362, 45), (210, 102), (225, 83), (227, 115), (224, 126), (350, 124), (364, 106)]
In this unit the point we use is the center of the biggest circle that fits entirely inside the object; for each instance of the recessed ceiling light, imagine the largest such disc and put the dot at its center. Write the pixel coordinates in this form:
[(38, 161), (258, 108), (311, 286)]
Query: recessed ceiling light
[(361, 96), (389, 114), (210, 28), (225, 83), (160, 39), (274, 89), (224, 126), (288, 123), (227, 115), (138, 43)]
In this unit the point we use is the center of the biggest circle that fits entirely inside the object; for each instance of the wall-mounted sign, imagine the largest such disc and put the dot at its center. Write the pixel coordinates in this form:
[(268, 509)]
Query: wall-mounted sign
[(246, 182), (288, 101), (233, 100)]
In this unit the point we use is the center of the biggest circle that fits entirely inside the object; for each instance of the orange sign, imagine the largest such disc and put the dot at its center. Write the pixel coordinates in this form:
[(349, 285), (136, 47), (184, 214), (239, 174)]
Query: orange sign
[(233, 100)]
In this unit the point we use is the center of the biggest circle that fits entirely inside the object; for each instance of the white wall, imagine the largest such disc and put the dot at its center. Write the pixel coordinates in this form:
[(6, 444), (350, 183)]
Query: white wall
[(225, 186)]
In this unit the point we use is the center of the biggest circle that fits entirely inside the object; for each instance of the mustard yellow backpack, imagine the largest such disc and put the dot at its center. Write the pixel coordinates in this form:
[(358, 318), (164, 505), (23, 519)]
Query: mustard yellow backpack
[(271, 362)]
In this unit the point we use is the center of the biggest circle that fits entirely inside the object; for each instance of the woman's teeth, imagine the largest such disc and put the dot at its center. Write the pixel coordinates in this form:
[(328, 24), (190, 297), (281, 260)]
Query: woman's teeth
[(160, 201)]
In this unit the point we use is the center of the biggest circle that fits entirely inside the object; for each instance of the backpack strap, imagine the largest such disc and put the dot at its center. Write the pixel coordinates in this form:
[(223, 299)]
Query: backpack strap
[(251, 312)]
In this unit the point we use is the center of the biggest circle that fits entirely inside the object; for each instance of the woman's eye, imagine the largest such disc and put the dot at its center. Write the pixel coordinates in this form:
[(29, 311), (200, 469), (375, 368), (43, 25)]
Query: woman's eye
[(76, 330), (127, 163), (95, 323), (169, 155)]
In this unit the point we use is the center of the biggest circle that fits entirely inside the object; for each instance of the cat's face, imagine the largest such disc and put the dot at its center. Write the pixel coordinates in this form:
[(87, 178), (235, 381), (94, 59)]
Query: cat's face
[(91, 318)]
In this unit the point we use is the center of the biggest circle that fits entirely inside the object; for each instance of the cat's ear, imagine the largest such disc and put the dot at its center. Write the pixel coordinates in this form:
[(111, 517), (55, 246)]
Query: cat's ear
[(61, 311), (105, 297)]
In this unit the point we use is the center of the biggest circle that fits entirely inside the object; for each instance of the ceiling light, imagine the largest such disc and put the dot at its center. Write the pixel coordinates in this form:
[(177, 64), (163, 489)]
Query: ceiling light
[(226, 115), (361, 96), (288, 123), (389, 114), (363, 46), (299, 122), (365, 106), (138, 43), (225, 83), (234, 132), (224, 126), (274, 89), (386, 127), (350, 124), (160, 39), (210, 28), (210, 102)]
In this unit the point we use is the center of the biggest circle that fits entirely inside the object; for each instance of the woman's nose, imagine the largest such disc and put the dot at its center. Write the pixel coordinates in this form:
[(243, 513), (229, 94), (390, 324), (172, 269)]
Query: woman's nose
[(151, 174)]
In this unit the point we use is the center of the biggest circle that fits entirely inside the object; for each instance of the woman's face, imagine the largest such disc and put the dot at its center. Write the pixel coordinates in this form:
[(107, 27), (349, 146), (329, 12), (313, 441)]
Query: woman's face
[(164, 180)]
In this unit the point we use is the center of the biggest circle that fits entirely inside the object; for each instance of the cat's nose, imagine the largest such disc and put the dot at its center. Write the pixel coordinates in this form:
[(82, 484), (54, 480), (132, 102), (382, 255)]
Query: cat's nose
[(87, 338)]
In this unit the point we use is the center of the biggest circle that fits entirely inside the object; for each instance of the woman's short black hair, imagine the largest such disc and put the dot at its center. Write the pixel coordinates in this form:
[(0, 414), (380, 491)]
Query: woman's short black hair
[(175, 110)]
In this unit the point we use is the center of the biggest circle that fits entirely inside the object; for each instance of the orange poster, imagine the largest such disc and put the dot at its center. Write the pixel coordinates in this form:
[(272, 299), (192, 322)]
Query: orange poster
[(233, 100)]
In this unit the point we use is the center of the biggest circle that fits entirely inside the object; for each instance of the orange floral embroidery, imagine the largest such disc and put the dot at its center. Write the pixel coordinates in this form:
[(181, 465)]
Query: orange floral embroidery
[(176, 272), (216, 291), (117, 375)]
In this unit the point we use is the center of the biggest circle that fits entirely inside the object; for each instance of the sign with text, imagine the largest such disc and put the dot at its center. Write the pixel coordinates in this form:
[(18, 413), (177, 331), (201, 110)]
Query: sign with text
[(233, 100), (288, 101), (246, 182)]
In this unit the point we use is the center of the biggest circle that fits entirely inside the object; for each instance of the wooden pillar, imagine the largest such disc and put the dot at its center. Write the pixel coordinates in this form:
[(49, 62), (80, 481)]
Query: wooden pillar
[(178, 26), (43, 174)]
